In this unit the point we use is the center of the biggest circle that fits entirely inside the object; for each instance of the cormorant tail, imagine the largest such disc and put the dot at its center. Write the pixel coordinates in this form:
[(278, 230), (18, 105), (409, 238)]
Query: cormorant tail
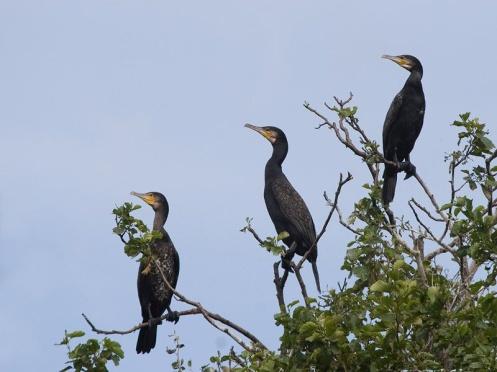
[(389, 183), (316, 275), (146, 339)]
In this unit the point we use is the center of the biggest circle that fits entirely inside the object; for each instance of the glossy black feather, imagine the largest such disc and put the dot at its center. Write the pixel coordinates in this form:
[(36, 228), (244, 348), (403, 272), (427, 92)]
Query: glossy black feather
[(286, 207), (402, 126), (289, 212), (154, 295)]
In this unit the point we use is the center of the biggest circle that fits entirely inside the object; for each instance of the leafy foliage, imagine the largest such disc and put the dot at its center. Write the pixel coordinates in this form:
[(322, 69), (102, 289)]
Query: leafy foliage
[(133, 232), (403, 311), (92, 355), (397, 309), (179, 364), (271, 244)]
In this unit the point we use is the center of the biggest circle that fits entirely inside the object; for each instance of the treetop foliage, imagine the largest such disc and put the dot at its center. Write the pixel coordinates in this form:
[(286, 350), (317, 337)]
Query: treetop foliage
[(397, 308)]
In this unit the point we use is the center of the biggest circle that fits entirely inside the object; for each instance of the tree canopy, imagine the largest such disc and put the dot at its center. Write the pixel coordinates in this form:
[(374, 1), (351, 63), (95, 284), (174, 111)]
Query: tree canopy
[(398, 308)]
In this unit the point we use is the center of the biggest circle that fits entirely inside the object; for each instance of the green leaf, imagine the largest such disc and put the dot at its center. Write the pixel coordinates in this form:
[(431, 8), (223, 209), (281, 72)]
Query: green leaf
[(75, 334), (307, 328), (445, 206), (433, 293), (379, 286), (487, 143), (398, 264)]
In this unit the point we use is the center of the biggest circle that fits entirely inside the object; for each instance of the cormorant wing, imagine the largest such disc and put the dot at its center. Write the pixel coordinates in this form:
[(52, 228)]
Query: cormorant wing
[(391, 118), (294, 210)]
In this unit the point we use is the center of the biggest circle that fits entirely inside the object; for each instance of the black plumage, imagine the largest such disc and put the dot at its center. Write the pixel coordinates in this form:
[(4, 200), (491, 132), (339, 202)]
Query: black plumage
[(286, 207), (153, 293), (402, 125)]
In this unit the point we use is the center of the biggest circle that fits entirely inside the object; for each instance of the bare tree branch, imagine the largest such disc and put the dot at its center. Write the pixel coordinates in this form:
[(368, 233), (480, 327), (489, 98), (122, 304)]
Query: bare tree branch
[(333, 205), (198, 308), (489, 197), (138, 326), (279, 283), (210, 317), (343, 223), (444, 248), (426, 211), (301, 282), (254, 233), (419, 246), (431, 197)]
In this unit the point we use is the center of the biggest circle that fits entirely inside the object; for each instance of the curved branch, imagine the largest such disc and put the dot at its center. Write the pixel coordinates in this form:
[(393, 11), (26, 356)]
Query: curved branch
[(431, 197), (333, 206), (198, 308), (210, 316), (136, 327)]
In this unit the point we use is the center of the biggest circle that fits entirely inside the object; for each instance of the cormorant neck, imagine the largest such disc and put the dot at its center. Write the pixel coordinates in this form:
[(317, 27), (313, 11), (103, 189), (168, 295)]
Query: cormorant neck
[(415, 77), (160, 218), (273, 166)]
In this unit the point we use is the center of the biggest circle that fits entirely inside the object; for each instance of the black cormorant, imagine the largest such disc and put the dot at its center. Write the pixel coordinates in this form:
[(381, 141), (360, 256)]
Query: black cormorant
[(403, 124), (154, 294), (286, 207)]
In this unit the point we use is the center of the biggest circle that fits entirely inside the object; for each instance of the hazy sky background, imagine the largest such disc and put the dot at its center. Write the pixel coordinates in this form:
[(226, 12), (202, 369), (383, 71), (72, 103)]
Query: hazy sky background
[(99, 98)]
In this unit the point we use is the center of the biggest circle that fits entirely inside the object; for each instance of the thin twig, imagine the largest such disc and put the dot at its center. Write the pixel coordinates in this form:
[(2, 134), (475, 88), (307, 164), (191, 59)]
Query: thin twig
[(256, 236), (341, 183), (431, 197), (301, 283), (343, 223), (426, 211), (444, 248)]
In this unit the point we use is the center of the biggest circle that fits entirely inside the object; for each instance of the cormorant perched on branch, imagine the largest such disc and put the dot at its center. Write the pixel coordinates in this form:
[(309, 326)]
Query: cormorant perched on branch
[(286, 207), (155, 296), (403, 124)]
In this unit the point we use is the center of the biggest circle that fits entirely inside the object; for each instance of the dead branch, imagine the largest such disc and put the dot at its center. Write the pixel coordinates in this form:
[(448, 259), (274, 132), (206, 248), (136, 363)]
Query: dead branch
[(136, 327), (211, 317), (198, 308)]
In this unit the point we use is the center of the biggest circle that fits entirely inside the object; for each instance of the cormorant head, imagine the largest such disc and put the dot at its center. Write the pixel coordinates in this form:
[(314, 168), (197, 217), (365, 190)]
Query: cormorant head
[(410, 63), (155, 199), (272, 134)]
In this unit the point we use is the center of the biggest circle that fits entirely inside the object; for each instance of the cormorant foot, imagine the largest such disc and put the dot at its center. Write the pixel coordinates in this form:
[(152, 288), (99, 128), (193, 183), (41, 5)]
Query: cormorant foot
[(399, 166), (410, 170), (172, 316), (286, 264)]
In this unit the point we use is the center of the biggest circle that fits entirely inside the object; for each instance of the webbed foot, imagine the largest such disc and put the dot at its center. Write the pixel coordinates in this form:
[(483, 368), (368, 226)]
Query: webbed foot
[(410, 170), (172, 316)]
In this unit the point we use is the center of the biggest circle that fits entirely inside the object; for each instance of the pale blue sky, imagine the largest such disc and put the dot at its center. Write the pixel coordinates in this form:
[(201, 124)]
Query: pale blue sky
[(99, 98)]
